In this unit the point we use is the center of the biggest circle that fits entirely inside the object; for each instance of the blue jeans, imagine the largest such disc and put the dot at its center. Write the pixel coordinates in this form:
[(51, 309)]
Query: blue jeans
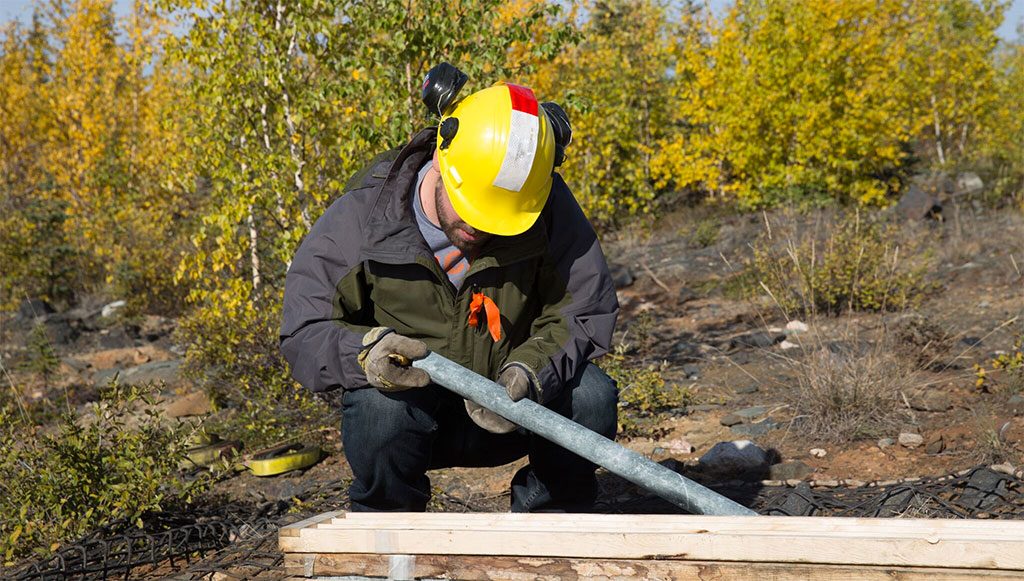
[(392, 439)]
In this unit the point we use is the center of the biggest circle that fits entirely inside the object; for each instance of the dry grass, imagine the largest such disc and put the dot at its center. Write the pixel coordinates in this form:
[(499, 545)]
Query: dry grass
[(992, 445), (922, 341), (850, 391)]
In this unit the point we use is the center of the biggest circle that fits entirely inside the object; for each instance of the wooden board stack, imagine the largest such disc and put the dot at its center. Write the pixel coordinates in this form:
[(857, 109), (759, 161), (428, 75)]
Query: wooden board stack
[(597, 546)]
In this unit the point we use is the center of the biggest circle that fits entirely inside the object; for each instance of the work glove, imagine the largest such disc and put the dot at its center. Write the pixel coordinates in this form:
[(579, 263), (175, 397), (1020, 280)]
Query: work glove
[(517, 383), (387, 360)]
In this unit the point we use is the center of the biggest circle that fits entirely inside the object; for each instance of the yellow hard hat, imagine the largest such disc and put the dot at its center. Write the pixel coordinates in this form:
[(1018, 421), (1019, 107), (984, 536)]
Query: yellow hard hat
[(496, 151)]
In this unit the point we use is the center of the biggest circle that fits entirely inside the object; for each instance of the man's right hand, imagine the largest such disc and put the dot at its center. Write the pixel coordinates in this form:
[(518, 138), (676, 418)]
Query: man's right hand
[(387, 360)]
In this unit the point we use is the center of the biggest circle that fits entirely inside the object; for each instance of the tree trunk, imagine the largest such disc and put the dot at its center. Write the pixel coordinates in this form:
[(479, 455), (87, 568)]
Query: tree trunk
[(938, 131), (254, 257)]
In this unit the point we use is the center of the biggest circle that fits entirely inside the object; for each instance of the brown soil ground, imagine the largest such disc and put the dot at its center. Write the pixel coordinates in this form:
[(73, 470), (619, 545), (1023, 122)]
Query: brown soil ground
[(977, 304)]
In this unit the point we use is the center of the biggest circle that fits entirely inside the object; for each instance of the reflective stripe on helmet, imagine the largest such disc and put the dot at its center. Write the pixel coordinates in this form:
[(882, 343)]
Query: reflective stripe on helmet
[(524, 127)]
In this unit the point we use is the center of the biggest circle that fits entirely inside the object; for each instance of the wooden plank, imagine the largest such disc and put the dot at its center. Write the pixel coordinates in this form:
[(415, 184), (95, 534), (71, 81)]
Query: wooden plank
[(816, 526), (481, 568), (293, 529), (805, 547), (630, 520), (924, 534)]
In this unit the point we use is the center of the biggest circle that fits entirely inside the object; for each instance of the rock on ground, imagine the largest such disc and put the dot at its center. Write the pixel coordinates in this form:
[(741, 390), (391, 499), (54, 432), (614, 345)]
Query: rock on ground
[(756, 429), (794, 470), (741, 456), (622, 276), (756, 340), (917, 204), (908, 440), (931, 400), (168, 372), (191, 404), (797, 327)]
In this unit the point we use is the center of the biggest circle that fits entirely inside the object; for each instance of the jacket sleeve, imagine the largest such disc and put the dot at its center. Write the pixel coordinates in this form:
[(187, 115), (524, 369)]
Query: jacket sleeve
[(579, 305), (326, 307)]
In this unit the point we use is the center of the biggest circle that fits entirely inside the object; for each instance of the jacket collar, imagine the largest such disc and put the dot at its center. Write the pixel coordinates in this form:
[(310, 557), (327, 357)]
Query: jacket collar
[(393, 236)]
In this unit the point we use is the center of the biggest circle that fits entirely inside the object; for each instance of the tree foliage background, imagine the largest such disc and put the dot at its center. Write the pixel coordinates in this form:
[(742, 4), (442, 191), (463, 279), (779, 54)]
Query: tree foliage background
[(176, 156)]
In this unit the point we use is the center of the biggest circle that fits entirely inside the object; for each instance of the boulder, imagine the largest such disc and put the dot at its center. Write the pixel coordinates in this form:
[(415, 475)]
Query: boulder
[(908, 440), (191, 404), (103, 377), (741, 457), (730, 420), (60, 329), (793, 327), (166, 372), (935, 446), (931, 400), (1004, 468), (622, 276), (754, 430), (886, 443), (918, 204), (756, 340), (968, 182), (115, 338), (704, 407), (751, 412), (29, 309), (679, 446), (793, 470)]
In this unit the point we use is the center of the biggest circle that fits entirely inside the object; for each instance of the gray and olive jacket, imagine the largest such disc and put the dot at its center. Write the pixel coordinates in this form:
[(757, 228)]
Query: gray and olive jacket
[(365, 264)]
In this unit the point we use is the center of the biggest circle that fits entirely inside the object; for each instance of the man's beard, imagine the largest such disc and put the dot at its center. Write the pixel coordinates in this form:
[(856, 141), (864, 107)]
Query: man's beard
[(450, 229)]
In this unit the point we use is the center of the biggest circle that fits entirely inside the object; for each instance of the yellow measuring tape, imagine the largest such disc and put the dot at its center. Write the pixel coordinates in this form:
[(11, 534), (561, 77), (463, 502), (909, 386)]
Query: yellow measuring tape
[(204, 455), (281, 459)]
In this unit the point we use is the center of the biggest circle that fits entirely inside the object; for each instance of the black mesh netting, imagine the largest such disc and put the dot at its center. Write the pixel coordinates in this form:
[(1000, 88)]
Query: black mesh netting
[(240, 541)]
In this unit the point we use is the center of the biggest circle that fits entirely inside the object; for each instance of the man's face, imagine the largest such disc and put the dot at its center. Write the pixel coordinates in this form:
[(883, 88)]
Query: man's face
[(463, 236)]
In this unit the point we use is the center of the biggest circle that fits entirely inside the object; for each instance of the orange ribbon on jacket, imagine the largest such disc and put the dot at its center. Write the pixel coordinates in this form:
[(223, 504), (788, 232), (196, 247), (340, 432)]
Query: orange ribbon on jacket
[(484, 303)]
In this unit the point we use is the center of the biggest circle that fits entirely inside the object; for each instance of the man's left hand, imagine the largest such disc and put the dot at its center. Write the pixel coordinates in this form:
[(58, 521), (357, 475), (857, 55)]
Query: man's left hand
[(516, 381)]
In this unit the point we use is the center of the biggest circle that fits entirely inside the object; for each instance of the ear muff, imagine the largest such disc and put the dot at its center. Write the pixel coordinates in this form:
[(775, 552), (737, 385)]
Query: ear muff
[(441, 86), (561, 128)]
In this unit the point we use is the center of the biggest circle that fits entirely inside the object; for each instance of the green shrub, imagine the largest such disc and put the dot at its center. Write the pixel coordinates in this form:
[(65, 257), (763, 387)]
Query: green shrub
[(37, 258), (706, 232), (856, 267), (643, 391), (116, 462), (1007, 366), (41, 359), (234, 353)]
